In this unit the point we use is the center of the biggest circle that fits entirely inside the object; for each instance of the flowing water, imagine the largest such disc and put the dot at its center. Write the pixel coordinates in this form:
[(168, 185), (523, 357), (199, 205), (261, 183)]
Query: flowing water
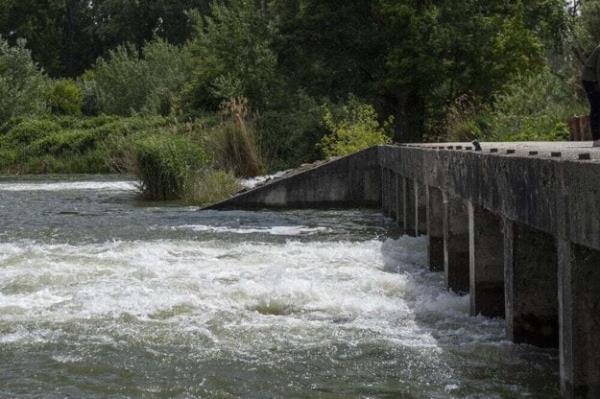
[(103, 296)]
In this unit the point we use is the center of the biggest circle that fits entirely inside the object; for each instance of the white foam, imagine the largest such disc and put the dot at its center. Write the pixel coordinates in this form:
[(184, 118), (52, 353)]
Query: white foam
[(293, 292), (71, 186), (272, 230), (256, 181)]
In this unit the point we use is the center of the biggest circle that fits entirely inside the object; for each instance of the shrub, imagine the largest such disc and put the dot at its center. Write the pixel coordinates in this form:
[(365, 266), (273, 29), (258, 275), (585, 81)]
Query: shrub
[(534, 107), (163, 162), (128, 83), (22, 83), (355, 129), (65, 97), (69, 144), (465, 120), (289, 135), (209, 186)]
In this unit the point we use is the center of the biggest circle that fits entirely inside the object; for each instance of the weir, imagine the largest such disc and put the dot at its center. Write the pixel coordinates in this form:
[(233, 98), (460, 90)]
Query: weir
[(515, 225)]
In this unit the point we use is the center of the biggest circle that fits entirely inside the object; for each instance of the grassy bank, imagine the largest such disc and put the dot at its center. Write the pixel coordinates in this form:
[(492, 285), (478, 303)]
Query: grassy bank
[(170, 158)]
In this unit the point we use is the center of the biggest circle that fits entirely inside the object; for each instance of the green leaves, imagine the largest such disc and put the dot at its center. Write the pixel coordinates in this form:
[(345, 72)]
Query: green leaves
[(355, 129)]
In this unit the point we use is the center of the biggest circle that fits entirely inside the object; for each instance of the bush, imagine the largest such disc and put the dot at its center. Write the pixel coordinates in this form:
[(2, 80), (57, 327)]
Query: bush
[(22, 83), (163, 162), (65, 97), (356, 128), (209, 186), (128, 83), (76, 145), (535, 107), (289, 135)]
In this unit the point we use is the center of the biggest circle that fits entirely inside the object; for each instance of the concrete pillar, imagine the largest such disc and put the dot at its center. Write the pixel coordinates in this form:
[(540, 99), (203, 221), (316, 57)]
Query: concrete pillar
[(435, 228), (421, 211), (579, 310), (385, 191), (382, 191), (531, 285), (456, 244), (410, 216), (400, 200), (486, 262), (392, 190)]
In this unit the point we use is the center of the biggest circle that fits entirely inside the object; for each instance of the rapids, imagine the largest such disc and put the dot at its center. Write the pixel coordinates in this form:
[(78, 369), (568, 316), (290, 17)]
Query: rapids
[(104, 296)]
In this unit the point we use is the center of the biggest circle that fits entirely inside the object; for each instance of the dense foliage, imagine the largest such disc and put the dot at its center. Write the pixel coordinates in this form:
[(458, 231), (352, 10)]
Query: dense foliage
[(316, 78)]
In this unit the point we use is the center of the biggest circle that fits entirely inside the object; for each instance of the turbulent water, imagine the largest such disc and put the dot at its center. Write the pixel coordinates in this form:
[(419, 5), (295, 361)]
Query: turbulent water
[(103, 296)]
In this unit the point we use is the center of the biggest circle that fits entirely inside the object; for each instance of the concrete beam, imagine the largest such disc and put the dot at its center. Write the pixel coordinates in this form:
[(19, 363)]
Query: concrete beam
[(531, 285), (456, 244), (486, 262), (435, 228), (579, 307)]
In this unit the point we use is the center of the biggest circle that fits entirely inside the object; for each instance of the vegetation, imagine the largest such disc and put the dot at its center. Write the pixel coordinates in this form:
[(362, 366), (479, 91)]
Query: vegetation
[(356, 129), (180, 91)]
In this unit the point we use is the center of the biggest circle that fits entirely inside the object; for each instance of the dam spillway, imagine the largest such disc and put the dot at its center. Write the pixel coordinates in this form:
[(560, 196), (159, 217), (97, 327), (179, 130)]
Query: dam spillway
[(515, 225), (104, 295)]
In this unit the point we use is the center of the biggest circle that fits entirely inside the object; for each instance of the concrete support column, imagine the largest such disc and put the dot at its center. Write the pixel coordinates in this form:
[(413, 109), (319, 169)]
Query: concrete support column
[(531, 285), (421, 208), (410, 216), (435, 228), (400, 210), (456, 244), (385, 191), (392, 191), (486, 262), (579, 307)]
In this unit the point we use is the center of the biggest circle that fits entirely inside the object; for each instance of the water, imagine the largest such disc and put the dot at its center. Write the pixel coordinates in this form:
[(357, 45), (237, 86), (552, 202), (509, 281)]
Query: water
[(103, 296)]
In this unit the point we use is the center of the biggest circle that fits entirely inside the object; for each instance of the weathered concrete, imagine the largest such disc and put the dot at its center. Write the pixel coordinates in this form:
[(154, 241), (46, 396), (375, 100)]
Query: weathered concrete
[(400, 202), (421, 211), (435, 228), (486, 261), (353, 181), (411, 212), (579, 299), (456, 244), (545, 193), (531, 285), (393, 213)]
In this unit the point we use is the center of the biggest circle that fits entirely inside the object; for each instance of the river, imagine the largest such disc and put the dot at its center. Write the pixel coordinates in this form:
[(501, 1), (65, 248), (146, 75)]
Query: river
[(105, 296)]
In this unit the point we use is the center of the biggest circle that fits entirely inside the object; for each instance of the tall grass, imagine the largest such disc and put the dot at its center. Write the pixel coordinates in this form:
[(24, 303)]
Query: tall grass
[(164, 162), (208, 186), (233, 141)]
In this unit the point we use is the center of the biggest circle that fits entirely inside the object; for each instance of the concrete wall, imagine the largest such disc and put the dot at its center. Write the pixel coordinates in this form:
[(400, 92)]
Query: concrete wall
[(353, 181)]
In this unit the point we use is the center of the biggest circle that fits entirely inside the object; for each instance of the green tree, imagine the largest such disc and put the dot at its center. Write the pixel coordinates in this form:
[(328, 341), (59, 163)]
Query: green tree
[(22, 83), (128, 82), (233, 57)]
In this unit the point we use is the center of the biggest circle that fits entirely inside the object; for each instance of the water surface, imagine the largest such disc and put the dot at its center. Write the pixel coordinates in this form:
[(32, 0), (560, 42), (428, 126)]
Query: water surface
[(104, 296)]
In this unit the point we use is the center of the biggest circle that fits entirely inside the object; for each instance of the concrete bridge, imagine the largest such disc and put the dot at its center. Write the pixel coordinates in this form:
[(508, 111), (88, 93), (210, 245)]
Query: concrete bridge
[(515, 225)]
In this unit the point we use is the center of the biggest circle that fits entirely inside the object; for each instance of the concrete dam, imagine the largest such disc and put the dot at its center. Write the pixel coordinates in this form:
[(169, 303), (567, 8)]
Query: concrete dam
[(515, 225)]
